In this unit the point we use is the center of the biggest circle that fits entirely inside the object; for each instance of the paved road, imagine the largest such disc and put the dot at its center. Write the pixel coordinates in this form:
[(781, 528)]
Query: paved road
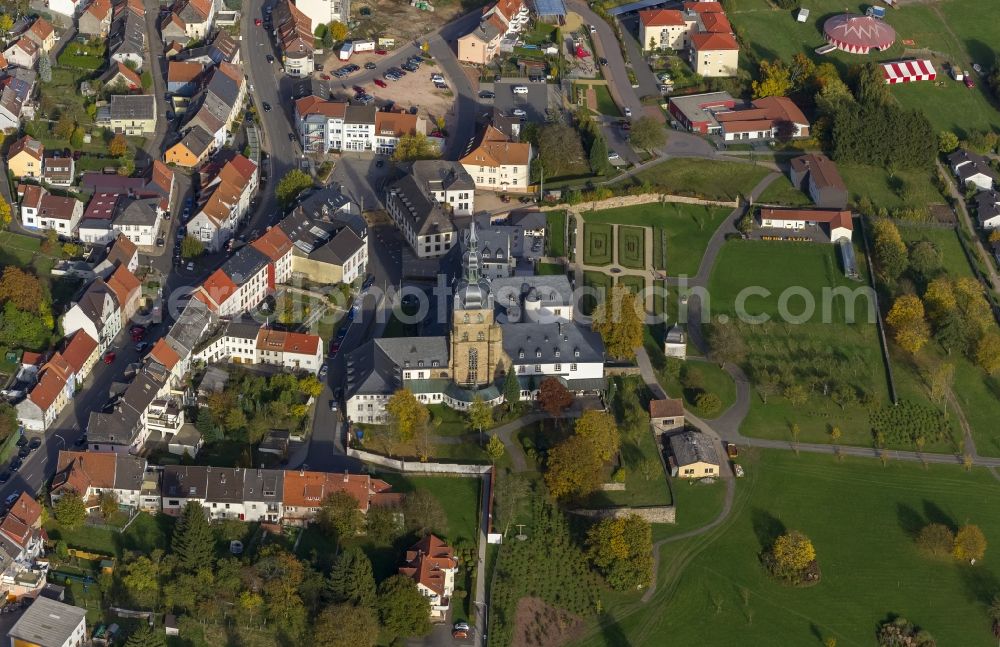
[(157, 66), (606, 45), (649, 86)]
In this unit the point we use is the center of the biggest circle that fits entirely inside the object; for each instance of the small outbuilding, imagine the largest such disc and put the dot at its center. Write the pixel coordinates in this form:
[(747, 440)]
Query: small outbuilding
[(675, 342), (693, 456), (666, 415), (802, 15), (908, 71)]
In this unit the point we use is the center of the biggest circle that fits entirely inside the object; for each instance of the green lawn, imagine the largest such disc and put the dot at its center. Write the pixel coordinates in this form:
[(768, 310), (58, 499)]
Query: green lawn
[(946, 240), (861, 517), (597, 242), (82, 57), (708, 179), (458, 496), (605, 104), (782, 192), (686, 228), (549, 269), (631, 247), (875, 184), (555, 235), (144, 534), (697, 504), (717, 381), (599, 281), (635, 284)]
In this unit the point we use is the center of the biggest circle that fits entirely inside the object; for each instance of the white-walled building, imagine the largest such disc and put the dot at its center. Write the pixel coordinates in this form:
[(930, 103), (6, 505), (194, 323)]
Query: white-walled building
[(324, 126), (498, 164), (224, 203), (432, 564), (448, 183)]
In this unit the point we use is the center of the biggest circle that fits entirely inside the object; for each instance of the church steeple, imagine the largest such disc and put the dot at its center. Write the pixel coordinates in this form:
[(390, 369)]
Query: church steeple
[(473, 289), (472, 256)]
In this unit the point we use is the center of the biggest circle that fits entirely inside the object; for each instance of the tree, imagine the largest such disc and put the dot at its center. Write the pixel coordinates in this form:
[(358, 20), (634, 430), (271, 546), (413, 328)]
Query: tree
[(511, 389), (22, 289), (906, 319), (802, 72), (424, 513), (939, 377), (553, 397), (406, 415), (775, 80), (618, 322), (291, 185), (926, 259), (890, 250), (936, 539), (5, 215), (64, 127), (192, 541), (45, 68), (947, 141), (599, 156), (871, 87), (338, 31), (835, 434), (988, 352), (310, 385), (141, 580), (402, 609), (970, 544), (900, 632), (573, 468), (145, 636), (793, 552), (383, 524), (108, 504), (70, 510), (994, 236), (745, 224), (622, 549), (939, 299), (416, 146), (76, 139), (560, 151), (727, 344), (339, 514), (600, 430), (647, 134), (709, 404), (495, 448), (24, 329), (117, 147), (480, 415), (351, 579), (146, 80), (342, 625), (6, 22)]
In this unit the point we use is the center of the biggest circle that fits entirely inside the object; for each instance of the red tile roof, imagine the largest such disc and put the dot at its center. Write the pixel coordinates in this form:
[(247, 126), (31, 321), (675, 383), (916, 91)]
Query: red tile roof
[(79, 471), (27, 145), (308, 489), (661, 17), (704, 7), (313, 105), (666, 408), (274, 244), (79, 349), (716, 23), (124, 284), (26, 510), (830, 216), (218, 287), (287, 342), (183, 71), (704, 42), (426, 562), (164, 354), (51, 383)]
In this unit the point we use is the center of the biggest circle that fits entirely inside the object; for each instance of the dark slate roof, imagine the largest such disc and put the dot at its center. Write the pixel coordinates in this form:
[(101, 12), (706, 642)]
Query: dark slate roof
[(427, 215), (129, 472), (225, 485), (245, 263), (189, 327), (550, 290), (376, 367), (141, 212), (264, 485), (693, 447), (185, 481), (551, 343), (441, 175), (133, 106), (197, 140), (340, 248)]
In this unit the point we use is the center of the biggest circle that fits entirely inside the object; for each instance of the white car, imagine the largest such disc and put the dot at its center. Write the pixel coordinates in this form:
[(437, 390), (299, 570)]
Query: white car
[(628, 112), (593, 30), (613, 155), (437, 77), (519, 113), (520, 89)]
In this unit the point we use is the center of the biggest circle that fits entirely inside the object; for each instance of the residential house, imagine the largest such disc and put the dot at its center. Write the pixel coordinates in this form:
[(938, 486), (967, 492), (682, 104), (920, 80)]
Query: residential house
[(422, 221), (55, 387), (481, 45), (432, 564), (325, 11), (988, 209), (192, 150), (127, 35), (42, 34), (239, 285), (196, 16), (972, 168), (391, 126), (139, 219), (224, 48), (713, 54), (496, 163), (22, 527), (666, 415), (292, 350), (120, 79), (68, 8), (304, 493), (693, 456), (95, 21), (767, 118), (133, 114), (125, 429), (97, 313), (664, 29), (448, 183), (121, 251), (217, 106), (182, 77), (23, 52), (325, 126), (294, 33), (24, 158), (81, 353), (817, 175), (15, 100), (224, 202), (127, 290), (91, 474), (835, 225), (42, 210), (60, 171), (173, 30), (321, 239), (47, 622)]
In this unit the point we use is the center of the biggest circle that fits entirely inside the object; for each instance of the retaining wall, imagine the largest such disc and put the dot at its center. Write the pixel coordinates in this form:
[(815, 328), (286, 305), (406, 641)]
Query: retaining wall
[(416, 467)]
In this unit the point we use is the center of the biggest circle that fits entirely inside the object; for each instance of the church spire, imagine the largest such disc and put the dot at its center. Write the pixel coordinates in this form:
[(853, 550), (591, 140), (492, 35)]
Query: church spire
[(472, 256)]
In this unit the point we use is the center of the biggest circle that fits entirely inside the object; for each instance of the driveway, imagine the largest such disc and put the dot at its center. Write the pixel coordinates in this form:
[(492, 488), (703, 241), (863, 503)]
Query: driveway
[(648, 85)]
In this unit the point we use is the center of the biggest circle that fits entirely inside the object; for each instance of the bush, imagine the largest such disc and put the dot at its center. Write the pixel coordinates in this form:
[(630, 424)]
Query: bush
[(709, 404), (619, 475), (936, 539)]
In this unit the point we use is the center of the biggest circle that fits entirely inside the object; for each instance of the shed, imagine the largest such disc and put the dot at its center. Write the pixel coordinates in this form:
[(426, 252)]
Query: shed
[(848, 259), (666, 415), (550, 11), (170, 625), (675, 342), (802, 15)]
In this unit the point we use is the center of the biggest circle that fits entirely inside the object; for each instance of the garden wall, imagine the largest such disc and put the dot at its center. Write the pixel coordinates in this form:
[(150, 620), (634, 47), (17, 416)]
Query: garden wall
[(416, 467), (643, 198), (652, 514)]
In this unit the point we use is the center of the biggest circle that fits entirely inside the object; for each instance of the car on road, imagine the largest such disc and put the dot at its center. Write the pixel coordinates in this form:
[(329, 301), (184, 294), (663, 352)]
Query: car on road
[(593, 29), (109, 357), (628, 112), (14, 496), (520, 89), (333, 405), (258, 22), (159, 241), (141, 346), (22, 441), (267, 107), (35, 443), (380, 164), (517, 112), (16, 465), (334, 348), (602, 61), (270, 59), (380, 83), (4, 476), (486, 94), (23, 452), (190, 266), (613, 155), (291, 137), (460, 630), (323, 371), (370, 66)]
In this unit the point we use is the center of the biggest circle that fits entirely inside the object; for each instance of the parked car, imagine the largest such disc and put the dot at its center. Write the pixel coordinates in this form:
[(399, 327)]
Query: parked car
[(141, 346), (370, 66), (358, 89), (35, 443), (520, 89), (517, 112), (380, 83), (190, 266), (381, 52), (270, 59), (267, 106), (4, 476), (109, 357), (613, 155), (22, 441), (334, 348), (16, 465), (23, 452), (325, 77), (486, 94), (628, 112), (258, 22), (323, 371)]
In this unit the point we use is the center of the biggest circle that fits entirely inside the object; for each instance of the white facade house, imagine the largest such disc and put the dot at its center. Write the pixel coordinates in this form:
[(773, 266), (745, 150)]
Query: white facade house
[(324, 126), (97, 313), (67, 7), (323, 12), (227, 204), (497, 164)]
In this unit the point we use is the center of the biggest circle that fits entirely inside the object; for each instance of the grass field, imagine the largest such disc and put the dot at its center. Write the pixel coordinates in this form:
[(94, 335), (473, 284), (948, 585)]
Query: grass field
[(717, 381), (697, 503), (875, 183), (861, 517), (703, 178), (599, 281), (959, 30), (458, 496), (631, 247), (782, 192), (555, 234), (687, 229), (597, 242), (144, 534), (546, 269), (635, 284), (605, 104)]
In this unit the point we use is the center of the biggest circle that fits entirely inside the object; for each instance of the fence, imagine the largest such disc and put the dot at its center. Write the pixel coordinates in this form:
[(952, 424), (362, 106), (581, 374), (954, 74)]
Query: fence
[(879, 323)]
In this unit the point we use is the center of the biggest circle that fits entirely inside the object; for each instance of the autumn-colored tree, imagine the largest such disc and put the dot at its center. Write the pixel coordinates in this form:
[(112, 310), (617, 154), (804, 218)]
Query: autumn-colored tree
[(480, 414), (947, 141), (994, 236), (573, 468), (601, 431), (495, 448), (775, 80), (973, 304), (617, 319), (906, 318), (64, 127), (310, 385), (116, 147), (622, 549), (6, 22), (416, 146), (970, 544), (406, 414), (793, 552), (5, 214), (988, 352), (936, 539), (939, 298), (337, 30), (22, 289), (938, 376), (890, 250), (835, 434), (553, 397), (802, 72)]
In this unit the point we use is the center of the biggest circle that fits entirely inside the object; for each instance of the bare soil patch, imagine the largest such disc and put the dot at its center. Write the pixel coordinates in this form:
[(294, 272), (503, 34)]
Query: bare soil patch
[(541, 625)]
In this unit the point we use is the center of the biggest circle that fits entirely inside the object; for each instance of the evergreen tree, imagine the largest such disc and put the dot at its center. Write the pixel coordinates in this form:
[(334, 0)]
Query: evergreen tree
[(45, 68), (192, 541), (402, 609), (599, 156), (511, 389), (144, 636), (351, 579)]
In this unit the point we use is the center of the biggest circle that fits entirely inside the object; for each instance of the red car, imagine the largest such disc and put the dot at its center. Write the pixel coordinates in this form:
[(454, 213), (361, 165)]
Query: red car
[(334, 347), (109, 357), (380, 83), (325, 77), (381, 52), (359, 89), (257, 22), (969, 83)]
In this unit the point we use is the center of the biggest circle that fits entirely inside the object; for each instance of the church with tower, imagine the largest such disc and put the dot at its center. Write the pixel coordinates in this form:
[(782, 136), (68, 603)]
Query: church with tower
[(523, 324)]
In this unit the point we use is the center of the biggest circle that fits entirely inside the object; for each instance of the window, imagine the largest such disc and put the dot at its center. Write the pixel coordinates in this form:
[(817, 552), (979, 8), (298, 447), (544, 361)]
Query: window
[(480, 337), (520, 369), (520, 354), (538, 353), (558, 367), (538, 368)]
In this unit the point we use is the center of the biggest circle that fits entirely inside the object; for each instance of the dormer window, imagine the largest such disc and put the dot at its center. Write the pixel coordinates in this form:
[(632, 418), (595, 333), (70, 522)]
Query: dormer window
[(538, 352), (406, 363), (557, 352), (520, 353), (576, 352), (420, 363)]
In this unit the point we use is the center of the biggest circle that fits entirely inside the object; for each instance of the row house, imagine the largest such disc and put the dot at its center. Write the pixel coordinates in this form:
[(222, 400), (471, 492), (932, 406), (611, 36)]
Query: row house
[(21, 543), (247, 342), (496, 163), (127, 34), (294, 34), (328, 241), (125, 427), (41, 210), (182, 77), (16, 104), (42, 34), (104, 307), (239, 285), (23, 52), (53, 391), (81, 353), (195, 16), (214, 110), (422, 221), (95, 21), (324, 126), (91, 474), (502, 19), (447, 182), (225, 201)]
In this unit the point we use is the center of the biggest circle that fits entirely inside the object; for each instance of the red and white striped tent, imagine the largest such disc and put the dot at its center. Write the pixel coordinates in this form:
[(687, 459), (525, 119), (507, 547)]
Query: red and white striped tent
[(906, 71)]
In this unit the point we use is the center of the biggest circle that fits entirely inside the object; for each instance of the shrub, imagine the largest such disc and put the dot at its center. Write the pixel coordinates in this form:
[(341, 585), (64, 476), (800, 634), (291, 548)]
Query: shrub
[(709, 404), (936, 539)]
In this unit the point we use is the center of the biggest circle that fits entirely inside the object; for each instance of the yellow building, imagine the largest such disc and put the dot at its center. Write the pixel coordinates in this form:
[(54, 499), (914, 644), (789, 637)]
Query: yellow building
[(714, 54), (693, 456), (24, 159)]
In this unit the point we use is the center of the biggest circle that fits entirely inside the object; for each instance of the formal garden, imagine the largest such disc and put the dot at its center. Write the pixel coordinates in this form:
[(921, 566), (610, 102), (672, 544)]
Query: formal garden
[(631, 247), (598, 240)]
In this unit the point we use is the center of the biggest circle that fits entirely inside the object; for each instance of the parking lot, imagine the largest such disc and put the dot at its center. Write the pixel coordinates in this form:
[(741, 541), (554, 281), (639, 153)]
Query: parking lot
[(534, 103)]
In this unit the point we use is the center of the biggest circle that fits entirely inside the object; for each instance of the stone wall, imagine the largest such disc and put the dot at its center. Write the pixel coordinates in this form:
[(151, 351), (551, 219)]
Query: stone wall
[(643, 198), (416, 467), (652, 514)]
